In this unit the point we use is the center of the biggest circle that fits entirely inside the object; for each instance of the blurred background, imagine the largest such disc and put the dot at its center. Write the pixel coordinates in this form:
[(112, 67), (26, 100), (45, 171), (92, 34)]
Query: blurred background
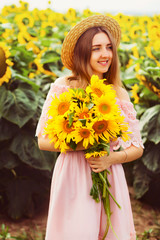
[(31, 37)]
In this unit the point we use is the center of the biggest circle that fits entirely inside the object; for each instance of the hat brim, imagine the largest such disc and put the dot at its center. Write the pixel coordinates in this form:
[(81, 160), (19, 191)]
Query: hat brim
[(74, 34)]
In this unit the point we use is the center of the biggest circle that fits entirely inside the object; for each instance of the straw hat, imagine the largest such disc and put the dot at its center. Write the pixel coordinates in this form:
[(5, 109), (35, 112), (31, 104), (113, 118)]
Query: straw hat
[(74, 34)]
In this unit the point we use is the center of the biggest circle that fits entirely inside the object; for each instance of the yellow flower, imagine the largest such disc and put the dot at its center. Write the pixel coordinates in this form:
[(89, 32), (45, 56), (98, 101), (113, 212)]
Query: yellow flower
[(5, 63), (31, 75), (97, 86), (149, 53), (24, 37), (61, 105), (87, 12), (77, 94), (141, 78), (123, 128), (96, 154), (106, 129), (84, 134), (137, 31), (62, 128), (31, 46), (55, 136), (71, 14), (40, 66), (106, 106), (24, 20), (135, 52), (134, 93)]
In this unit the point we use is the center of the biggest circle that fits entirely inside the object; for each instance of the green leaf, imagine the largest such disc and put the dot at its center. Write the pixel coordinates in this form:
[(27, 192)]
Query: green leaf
[(83, 121), (26, 147), (142, 179), (151, 157), (8, 159), (90, 105), (16, 76), (49, 57), (18, 106), (7, 129), (73, 145), (150, 124), (71, 118)]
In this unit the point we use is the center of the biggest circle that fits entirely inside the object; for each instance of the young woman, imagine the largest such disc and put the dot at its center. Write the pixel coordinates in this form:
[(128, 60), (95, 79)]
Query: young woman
[(90, 48)]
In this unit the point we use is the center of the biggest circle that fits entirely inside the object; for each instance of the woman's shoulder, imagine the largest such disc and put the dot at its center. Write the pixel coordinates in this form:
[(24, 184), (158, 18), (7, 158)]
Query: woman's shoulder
[(122, 93), (61, 81)]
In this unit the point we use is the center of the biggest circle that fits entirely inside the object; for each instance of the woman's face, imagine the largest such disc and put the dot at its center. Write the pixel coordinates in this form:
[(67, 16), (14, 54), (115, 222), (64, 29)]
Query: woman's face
[(101, 55)]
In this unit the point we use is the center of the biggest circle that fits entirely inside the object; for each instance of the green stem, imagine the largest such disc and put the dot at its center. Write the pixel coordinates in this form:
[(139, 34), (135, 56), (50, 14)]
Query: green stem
[(104, 187), (106, 204), (104, 182)]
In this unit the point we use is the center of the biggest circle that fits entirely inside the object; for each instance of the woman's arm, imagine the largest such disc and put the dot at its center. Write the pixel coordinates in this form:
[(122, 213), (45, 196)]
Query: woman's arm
[(101, 163), (44, 144)]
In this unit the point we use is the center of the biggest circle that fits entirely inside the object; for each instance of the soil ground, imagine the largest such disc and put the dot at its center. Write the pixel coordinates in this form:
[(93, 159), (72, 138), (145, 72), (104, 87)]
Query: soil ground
[(147, 222)]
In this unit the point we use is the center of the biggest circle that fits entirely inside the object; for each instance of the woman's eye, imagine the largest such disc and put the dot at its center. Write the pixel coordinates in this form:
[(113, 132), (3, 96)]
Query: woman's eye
[(110, 47), (95, 49)]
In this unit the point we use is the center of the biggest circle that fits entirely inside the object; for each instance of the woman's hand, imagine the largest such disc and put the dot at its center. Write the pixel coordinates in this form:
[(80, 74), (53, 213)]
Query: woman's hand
[(99, 164)]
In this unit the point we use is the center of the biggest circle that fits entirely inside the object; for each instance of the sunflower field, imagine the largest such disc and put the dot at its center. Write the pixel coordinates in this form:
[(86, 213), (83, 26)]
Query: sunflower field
[(30, 47)]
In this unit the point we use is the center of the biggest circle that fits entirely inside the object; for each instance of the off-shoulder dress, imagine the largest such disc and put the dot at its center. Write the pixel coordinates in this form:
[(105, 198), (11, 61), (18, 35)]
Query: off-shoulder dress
[(73, 214)]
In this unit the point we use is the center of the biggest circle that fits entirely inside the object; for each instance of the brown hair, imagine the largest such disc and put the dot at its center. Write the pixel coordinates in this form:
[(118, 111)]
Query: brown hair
[(82, 55)]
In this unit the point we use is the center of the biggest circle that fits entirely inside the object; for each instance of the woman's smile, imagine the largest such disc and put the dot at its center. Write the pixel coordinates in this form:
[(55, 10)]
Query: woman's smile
[(101, 56)]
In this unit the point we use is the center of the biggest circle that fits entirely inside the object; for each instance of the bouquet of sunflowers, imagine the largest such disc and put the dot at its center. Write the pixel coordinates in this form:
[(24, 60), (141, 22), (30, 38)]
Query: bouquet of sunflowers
[(92, 117)]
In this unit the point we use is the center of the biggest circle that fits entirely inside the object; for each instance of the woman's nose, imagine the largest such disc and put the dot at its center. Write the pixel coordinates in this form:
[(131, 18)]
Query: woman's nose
[(105, 52)]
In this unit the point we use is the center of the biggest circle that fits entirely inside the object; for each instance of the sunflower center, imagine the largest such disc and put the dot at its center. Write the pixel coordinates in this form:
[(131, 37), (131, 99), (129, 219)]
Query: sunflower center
[(83, 115), (98, 92), (100, 126), (3, 65), (66, 127), (84, 133), (25, 21), (63, 107), (104, 108)]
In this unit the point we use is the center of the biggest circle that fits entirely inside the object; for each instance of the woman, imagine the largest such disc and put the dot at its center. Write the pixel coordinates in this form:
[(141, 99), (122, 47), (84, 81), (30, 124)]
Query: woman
[(90, 48)]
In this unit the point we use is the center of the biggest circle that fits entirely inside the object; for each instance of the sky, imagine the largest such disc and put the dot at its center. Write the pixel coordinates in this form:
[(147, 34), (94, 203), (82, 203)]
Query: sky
[(145, 7)]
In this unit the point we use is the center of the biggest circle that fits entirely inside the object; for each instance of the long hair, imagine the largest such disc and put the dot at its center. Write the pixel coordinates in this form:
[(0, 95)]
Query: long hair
[(82, 55)]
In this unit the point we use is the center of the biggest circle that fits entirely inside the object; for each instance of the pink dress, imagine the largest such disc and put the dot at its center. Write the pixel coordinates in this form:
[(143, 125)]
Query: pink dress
[(73, 214)]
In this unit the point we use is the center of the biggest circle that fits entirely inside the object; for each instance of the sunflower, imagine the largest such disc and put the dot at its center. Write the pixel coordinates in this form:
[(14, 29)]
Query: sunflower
[(63, 129), (24, 37), (137, 32), (40, 66), (96, 154), (83, 133), (97, 86), (31, 46), (61, 105), (134, 93), (52, 133), (106, 106), (81, 112), (124, 127), (71, 14), (24, 20), (106, 129), (5, 71)]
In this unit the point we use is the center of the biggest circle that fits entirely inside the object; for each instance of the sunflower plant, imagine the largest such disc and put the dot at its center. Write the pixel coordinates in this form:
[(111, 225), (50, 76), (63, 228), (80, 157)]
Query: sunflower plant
[(93, 118)]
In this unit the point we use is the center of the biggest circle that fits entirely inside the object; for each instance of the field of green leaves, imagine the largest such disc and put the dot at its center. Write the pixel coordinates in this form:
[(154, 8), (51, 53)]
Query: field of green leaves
[(30, 47)]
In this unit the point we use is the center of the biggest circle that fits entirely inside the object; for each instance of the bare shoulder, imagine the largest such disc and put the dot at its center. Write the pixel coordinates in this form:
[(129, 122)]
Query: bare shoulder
[(122, 94), (61, 80)]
